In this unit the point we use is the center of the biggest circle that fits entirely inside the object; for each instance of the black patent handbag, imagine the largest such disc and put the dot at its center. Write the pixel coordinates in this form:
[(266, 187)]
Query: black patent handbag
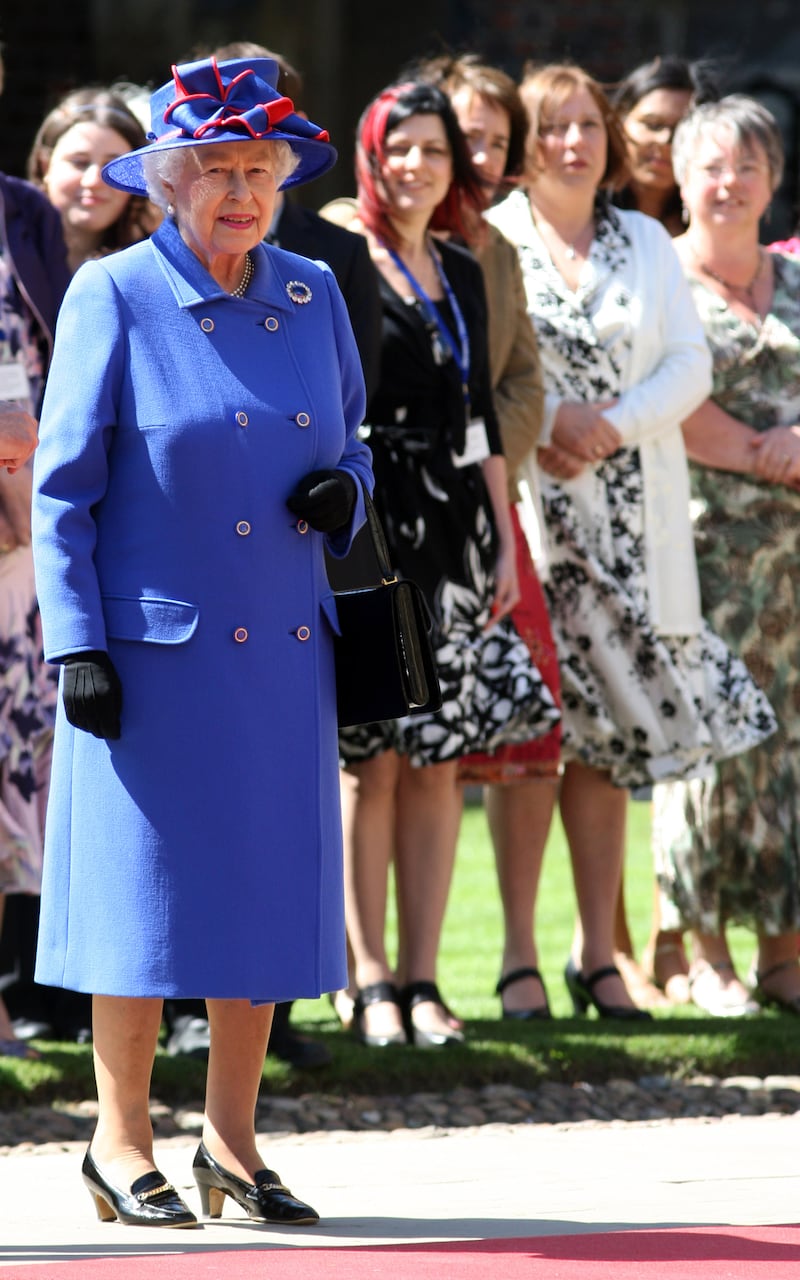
[(385, 666)]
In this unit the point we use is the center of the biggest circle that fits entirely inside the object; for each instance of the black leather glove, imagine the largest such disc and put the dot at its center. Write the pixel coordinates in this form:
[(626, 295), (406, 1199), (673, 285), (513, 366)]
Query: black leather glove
[(92, 693), (325, 499)]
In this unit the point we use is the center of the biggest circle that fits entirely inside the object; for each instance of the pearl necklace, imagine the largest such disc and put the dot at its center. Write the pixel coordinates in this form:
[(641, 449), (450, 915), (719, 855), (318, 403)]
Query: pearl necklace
[(244, 283)]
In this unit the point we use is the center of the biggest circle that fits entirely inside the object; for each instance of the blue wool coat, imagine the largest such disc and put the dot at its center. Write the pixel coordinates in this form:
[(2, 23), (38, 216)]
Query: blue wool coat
[(200, 854)]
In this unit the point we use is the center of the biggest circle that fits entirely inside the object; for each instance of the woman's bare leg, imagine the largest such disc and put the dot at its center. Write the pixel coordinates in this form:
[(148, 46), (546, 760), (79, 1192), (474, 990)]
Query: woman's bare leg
[(519, 816), (239, 1036), (429, 807), (369, 797), (593, 813), (125, 1034)]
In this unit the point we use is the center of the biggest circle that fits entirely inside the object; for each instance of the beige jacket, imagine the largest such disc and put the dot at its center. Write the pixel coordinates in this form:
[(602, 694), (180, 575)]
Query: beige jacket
[(513, 354)]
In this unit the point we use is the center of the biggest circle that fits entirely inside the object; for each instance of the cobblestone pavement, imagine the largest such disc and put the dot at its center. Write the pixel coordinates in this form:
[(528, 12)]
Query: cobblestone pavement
[(652, 1098)]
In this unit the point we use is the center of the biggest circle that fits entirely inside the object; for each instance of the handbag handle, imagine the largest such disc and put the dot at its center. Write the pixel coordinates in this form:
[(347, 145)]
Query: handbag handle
[(379, 543)]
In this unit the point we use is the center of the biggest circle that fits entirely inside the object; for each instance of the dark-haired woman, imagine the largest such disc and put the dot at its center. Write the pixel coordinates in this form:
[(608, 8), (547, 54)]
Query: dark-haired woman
[(441, 487), (651, 101)]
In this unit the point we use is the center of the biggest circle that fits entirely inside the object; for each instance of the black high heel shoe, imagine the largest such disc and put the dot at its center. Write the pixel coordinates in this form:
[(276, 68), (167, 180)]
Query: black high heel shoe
[(377, 993), (151, 1201), (264, 1200), (415, 993), (582, 992), (540, 1012)]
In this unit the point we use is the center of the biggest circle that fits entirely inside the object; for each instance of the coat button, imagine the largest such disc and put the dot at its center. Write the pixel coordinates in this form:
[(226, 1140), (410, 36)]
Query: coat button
[(302, 526), (303, 633), (302, 420), (207, 325), (243, 527), (240, 635), (271, 324), (242, 418)]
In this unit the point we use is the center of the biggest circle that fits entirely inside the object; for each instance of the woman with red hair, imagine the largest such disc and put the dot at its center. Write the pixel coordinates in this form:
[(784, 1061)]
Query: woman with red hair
[(441, 488)]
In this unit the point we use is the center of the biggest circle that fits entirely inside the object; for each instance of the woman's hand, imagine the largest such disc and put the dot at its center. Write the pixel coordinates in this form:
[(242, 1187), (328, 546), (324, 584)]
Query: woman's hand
[(326, 499), (581, 429), (92, 693), (776, 455), (559, 463), (18, 437), (506, 587)]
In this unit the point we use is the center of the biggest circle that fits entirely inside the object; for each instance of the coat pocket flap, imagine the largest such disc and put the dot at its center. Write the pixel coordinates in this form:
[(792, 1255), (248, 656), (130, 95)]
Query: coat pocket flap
[(328, 606), (148, 618)]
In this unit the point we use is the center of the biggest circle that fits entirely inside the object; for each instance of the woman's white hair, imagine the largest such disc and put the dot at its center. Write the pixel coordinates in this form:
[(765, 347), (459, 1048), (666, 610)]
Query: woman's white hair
[(749, 123), (167, 165)]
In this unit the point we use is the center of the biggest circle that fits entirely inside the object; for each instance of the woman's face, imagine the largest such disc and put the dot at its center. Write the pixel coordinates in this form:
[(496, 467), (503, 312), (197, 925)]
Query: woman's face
[(224, 197), (649, 129), (572, 147), (727, 185), (418, 166), (73, 182), (487, 128)]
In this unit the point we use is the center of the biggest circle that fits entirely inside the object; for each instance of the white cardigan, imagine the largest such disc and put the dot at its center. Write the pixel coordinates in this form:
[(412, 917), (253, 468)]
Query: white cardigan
[(668, 376)]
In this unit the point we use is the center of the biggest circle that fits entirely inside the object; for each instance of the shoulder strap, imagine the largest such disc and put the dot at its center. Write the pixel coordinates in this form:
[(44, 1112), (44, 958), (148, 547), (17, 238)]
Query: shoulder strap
[(378, 541)]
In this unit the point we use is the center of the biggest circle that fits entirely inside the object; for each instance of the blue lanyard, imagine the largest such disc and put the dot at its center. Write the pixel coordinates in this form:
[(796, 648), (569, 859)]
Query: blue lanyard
[(460, 349)]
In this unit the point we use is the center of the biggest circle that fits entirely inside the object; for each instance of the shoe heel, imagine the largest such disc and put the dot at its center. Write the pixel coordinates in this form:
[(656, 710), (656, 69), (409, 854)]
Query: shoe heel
[(211, 1200), (105, 1212), (579, 996)]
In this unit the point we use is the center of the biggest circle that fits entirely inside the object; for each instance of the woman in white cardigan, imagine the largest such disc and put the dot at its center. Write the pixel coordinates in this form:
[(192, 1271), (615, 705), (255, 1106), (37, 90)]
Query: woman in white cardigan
[(649, 692)]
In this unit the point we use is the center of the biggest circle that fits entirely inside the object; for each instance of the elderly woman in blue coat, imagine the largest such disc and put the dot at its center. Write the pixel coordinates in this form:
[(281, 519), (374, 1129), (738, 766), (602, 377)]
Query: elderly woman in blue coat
[(198, 454)]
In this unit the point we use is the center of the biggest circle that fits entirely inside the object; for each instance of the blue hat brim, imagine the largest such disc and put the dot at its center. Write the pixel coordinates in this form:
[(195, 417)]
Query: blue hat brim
[(316, 158)]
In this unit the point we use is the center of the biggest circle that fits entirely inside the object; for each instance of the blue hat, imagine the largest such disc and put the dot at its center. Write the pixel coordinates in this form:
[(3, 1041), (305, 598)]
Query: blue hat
[(234, 101)]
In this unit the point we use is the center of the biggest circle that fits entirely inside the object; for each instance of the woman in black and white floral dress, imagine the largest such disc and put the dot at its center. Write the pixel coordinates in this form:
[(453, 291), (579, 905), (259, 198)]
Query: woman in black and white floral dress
[(648, 691), (441, 489)]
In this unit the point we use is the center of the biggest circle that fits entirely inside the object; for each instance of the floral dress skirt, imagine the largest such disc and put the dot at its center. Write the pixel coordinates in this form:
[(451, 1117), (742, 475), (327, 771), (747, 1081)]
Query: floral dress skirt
[(641, 706), (28, 691), (441, 535), (727, 847)]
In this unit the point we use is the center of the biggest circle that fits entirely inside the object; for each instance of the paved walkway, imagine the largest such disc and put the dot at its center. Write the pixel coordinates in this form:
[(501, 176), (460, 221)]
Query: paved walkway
[(489, 1182)]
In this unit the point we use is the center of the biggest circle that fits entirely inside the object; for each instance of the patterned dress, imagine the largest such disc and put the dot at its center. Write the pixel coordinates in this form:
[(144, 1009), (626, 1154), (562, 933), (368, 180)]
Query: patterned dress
[(728, 847), (640, 705), (438, 523), (27, 685)]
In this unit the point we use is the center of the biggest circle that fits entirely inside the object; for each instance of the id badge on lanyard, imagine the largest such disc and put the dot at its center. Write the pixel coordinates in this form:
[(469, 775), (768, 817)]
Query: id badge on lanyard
[(14, 384), (476, 445)]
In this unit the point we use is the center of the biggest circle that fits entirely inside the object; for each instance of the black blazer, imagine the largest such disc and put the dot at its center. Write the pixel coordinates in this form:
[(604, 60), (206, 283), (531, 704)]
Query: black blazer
[(302, 231)]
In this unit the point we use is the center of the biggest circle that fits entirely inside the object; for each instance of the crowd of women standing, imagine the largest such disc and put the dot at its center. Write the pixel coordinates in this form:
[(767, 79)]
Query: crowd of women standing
[(656, 690)]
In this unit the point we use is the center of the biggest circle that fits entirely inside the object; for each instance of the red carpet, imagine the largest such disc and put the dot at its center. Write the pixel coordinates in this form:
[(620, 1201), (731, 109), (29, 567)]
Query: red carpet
[(691, 1253)]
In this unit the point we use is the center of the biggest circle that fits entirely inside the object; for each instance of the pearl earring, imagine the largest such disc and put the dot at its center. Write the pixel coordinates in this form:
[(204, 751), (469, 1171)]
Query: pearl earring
[(171, 209), (684, 215)]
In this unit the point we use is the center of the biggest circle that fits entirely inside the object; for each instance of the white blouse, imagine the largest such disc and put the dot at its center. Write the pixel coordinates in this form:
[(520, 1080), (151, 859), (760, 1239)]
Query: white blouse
[(629, 331)]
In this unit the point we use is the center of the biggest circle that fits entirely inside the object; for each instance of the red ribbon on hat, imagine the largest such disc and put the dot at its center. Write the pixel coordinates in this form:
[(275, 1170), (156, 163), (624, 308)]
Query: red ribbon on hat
[(203, 103)]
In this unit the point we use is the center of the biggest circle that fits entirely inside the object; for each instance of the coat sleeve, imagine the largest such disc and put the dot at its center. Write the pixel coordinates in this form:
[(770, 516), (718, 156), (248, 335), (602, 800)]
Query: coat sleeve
[(518, 390), (356, 458), (71, 463), (679, 378)]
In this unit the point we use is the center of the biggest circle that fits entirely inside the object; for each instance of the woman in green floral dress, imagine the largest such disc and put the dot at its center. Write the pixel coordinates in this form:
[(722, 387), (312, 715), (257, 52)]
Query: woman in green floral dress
[(728, 846)]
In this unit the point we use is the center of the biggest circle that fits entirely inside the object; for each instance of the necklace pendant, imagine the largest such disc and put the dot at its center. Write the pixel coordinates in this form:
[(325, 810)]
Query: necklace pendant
[(569, 252)]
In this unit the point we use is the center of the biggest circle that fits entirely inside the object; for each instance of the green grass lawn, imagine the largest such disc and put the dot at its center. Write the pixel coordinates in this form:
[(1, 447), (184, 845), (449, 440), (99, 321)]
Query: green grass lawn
[(678, 1042)]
